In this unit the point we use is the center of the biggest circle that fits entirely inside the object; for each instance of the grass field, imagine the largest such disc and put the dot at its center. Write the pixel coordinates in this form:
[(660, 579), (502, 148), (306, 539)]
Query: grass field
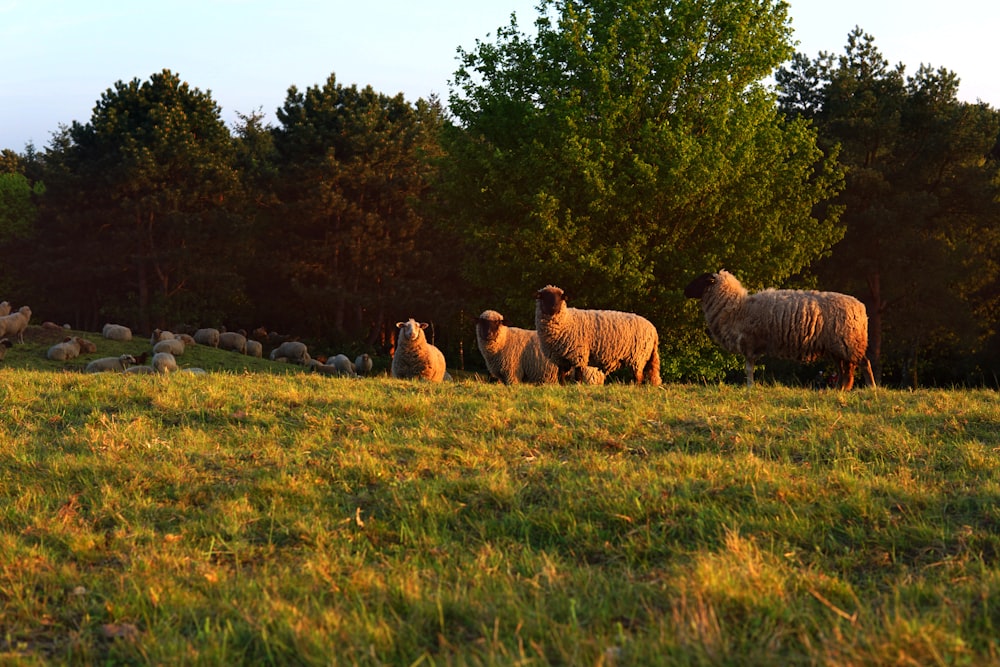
[(255, 518)]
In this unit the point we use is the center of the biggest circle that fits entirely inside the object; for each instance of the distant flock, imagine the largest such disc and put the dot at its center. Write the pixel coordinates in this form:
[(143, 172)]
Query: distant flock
[(567, 344)]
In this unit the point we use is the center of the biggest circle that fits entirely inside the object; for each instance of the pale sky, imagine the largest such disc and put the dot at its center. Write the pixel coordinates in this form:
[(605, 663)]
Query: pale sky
[(58, 56)]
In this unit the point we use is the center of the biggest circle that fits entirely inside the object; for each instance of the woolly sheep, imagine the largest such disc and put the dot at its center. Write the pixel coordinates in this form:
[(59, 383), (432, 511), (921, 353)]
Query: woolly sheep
[(4, 308), (5, 345), (255, 349), (574, 338), (171, 345), (160, 334), (117, 332), (164, 362), (110, 364), (801, 325), (512, 355), (14, 324), (414, 356), (187, 339), (363, 364), (317, 366), (292, 351), (70, 348), (343, 365), (231, 340), (140, 370), (207, 336)]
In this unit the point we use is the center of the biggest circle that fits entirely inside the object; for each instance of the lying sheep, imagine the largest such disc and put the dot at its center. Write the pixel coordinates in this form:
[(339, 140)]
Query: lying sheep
[(13, 325), (5, 345), (512, 354), (232, 340), (363, 364), (141, 369), (292, 351), (800, 325), (69, 348), (160, 334), (118, 332), (573, 338), (164, 362), (414, 356), (172, 345), (255, 349), (207, 336), (110, 364)]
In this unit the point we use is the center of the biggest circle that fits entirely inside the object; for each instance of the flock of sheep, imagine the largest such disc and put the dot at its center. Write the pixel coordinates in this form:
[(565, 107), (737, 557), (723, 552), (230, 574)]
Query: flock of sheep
[(567, 344)]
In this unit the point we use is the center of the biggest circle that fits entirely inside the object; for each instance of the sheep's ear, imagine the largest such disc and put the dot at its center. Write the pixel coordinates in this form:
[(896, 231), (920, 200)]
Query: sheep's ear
[(424, 325), (399, 325)]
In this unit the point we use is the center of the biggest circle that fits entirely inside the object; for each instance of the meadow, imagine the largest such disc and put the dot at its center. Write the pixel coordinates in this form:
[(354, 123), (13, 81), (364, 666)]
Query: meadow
[(247, 517)]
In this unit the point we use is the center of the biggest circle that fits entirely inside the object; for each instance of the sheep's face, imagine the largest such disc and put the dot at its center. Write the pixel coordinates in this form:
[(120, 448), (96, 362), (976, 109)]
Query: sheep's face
[(696, 288), (488, 325), (551, 300), (411, 329)]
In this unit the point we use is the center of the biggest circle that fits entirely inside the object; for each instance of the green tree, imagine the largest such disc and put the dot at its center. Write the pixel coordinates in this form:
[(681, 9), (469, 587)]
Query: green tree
[(627, 147), (141, 204), (19, 198), (919, 205)]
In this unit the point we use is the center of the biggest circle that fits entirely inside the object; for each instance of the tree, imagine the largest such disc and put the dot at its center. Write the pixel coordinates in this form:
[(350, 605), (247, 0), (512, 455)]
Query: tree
[(141, 200), (627, 147), (919, 205), (19, 197)]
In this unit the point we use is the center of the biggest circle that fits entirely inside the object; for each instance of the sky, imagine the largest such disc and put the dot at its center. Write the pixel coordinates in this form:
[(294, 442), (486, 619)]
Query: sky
[(57, 57)]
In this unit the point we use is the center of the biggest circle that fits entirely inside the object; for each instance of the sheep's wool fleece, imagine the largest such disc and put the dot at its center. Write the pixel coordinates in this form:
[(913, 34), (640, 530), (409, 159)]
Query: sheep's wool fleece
[(414, 356), (512, 354), (793, 324)]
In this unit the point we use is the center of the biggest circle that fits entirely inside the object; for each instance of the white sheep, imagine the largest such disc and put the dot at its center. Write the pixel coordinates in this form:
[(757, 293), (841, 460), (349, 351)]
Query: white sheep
[(160, 334), (141, 369), (415, 357), (317, 366), (118, 332), (255, 348), (574, 338), (207, 336), (343, 365), (363, 364), (13, 325), (164, 362), (70, 348), (512, 354), (172, 345), (801, 325), (292, 351), (232, 340), (4, 308), (110, 364)]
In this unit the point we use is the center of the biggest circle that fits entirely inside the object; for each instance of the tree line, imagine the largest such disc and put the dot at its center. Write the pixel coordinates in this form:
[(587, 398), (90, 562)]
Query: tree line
[(616, 151)]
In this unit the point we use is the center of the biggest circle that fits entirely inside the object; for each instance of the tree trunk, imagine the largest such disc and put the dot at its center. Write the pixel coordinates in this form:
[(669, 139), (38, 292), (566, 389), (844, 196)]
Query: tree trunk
[(875, 324)]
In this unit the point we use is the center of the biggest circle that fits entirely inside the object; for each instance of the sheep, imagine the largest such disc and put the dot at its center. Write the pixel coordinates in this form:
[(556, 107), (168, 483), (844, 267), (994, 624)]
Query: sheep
[(68, 348), (207, 336), (164, 362), (363, 364), (512, 354), (14, 324), (187, 339), (317, 366), (142, 369), (232, 340), (343, 365), (160, 334), (110, 364), (4, 308), (118, 332), (414, 356), (801, 325), (255, 349), (574, 338), (295, 352), (172, 345), (5, 345)]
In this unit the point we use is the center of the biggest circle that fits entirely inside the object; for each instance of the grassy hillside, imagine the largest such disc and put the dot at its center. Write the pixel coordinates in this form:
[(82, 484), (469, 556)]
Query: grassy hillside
[(250, 518)]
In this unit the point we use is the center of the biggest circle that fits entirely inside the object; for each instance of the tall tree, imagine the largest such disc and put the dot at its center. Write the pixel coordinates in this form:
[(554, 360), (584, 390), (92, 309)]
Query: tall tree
[(919, 204), (628, 146), (141, 194)]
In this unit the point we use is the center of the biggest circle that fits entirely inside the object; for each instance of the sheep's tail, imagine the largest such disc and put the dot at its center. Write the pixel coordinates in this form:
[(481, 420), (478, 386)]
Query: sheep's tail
[(651, 372)]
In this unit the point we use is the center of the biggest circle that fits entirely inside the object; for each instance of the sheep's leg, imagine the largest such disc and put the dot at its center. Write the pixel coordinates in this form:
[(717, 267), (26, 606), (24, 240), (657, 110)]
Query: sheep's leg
[(847, 375), (868, 372)]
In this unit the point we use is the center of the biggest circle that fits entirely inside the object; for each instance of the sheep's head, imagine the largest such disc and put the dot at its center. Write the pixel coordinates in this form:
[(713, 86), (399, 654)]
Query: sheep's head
[(551, 300), (696, 288), (127, 360), (488, 324), (5, 342), (411, 329)]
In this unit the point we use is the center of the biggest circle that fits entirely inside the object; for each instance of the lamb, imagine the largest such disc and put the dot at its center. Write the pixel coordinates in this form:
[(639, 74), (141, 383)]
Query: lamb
[(343, 365), (5, 345), (208, 336), (295, 352), (164, 362), (70, 348), (363, 364), (414, 356), (14, 324), (232, 340), (317, 366), (512, 355), (801, 325), (110, 364), (172, 345), (255, 349), (117, 332), (574, 338)]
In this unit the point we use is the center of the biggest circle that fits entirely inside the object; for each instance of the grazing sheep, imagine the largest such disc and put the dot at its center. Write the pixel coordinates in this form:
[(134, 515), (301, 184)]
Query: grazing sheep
[(110, 364), (293, 351), (14, 324), (590, 375), (343, 365), (232, 340), (363, 364), (208, 336), (171, 345), (574, 338), (164, 362), (68, 348), (255, 349), (414, 356), (5, 345), (118, 332), (801, 325), (4, 308), (512, 354)]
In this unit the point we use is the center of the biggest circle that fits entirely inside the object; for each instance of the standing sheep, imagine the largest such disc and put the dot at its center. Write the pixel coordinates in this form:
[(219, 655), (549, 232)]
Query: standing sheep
[(573, 338), (208, 336), (110, 364), (293, 351), (343, 365), (512, 355), (232, 340), (414, 356), (13, 325), (801, 325), (363, 364), (255, 349)]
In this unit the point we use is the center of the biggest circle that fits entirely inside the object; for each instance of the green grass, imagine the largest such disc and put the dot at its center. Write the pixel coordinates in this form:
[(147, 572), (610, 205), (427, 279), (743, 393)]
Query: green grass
[(250, 518)]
